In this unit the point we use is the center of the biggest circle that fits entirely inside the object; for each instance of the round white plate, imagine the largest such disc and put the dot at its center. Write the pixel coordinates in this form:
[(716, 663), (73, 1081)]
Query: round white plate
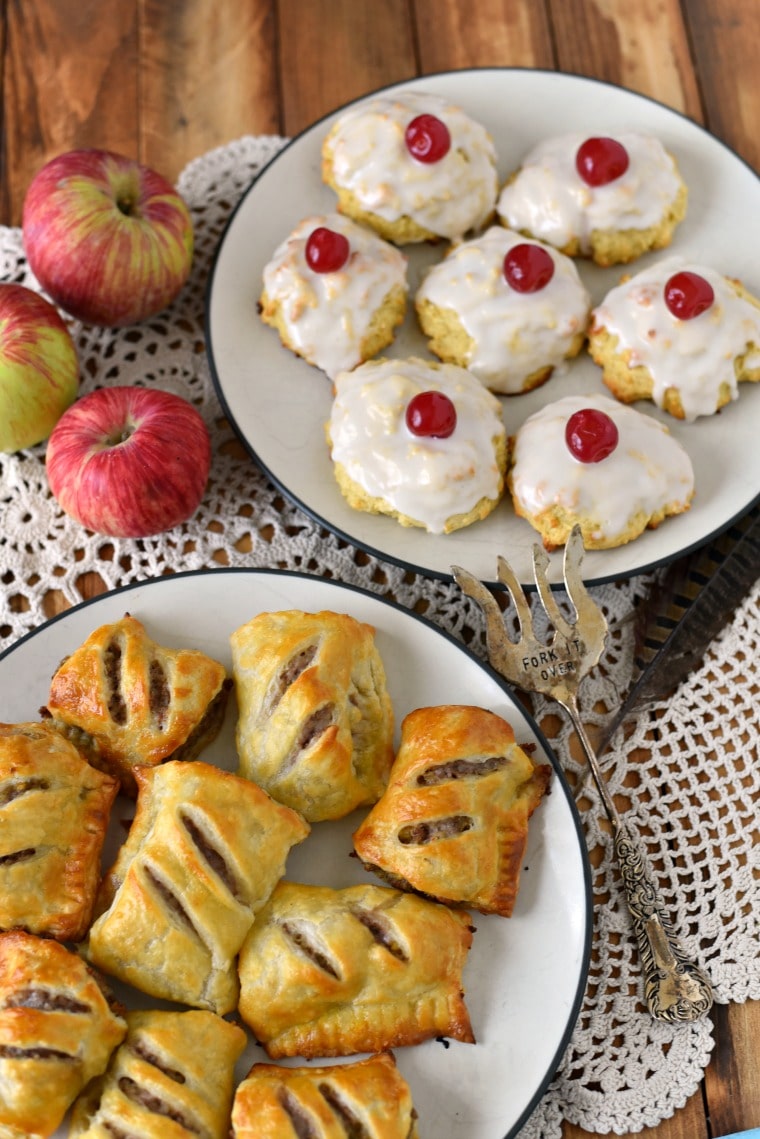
[(525, 976), (279, 404)]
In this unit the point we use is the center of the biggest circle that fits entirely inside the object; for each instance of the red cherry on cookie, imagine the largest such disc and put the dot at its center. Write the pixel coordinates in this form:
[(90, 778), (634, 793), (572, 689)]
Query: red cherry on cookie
[(326, 250), (590, 435), (528, 268), (427, 139), (688, 295), (601, 160), (432, 414)]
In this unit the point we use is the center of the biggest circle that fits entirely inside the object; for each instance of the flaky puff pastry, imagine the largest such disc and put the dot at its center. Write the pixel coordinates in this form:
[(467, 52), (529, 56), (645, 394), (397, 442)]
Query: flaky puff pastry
[(327, 972), (126, 700), (453, 823), (54, 811), (171, 1078), (315, 725), (203, 854), (367, 1098), (57, 1032)]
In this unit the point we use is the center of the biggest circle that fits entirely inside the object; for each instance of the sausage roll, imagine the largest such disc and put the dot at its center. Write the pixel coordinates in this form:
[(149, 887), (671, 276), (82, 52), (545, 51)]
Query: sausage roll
[(453, 823), (203, 854), (54, 811), (327, 972), (315, 725), (124, 700), (172, 1076), (367, 1098), (58, 1029)]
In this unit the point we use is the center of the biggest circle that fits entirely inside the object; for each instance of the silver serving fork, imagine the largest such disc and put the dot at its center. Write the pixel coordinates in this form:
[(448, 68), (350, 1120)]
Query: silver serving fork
[(675, 988)]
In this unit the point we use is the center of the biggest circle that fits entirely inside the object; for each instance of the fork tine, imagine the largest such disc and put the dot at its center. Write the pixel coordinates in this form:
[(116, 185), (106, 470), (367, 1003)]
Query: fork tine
[(594, 621), (496, 635), (508, 578), (557, 619)]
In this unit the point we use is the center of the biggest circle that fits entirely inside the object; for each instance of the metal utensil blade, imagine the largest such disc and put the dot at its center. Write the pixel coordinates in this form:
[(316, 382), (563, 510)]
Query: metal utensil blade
[(702, 618)]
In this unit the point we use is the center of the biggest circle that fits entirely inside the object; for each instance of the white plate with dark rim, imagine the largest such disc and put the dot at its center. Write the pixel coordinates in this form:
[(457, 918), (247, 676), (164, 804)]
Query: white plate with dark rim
[(525, 976), (279, 404)]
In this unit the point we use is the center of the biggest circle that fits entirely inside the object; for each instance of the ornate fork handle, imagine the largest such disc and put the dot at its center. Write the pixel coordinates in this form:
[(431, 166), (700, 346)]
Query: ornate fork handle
[(675, 988)]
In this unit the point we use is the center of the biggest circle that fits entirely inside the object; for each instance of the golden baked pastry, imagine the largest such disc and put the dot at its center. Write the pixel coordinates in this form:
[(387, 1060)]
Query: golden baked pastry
[(453, 823), (367, 1098), (57, 1032), (327, 972), (172, 1076), (54, 811), (315, 726), (125, 700), (202, 856)]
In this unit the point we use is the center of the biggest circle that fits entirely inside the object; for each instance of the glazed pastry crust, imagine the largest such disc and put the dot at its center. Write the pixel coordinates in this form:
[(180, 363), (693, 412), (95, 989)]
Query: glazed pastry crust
[(203, 854), (329, 972), (57, 1032), (54, 811), (172, 1077), (453, 823), (127, 700), (315, 726), (368, 1098)]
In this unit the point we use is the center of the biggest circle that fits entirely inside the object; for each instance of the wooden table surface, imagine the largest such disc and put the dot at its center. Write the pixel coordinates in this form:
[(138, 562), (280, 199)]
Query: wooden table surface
[(167, 80)]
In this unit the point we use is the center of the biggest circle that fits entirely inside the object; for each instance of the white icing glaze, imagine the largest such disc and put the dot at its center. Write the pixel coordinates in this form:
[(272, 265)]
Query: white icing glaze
[(427, 479), (647, 470), (513, 334), (327, 315), (693, 356), (550, 200), (370, 159)]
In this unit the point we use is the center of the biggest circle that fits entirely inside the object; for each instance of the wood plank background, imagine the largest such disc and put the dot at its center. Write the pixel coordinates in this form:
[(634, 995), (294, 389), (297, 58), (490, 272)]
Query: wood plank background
[(167, 80)]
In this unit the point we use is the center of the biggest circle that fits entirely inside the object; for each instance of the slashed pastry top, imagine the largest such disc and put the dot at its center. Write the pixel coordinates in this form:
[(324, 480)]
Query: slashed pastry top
[(646, 477), (338, 318), (510, 337), (368, 1099), (202, 855), (328, 972), (315, 723), (57, 1031), (446, 192), (172, 1078), (54, 811), (429, 481), (612, 220), (453, 822), (125, 700), (689, 364)]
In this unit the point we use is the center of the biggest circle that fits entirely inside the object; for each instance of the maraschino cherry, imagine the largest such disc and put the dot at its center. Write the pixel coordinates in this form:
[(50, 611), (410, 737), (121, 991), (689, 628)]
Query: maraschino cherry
[(528, 268), (688, 295), (590, 435), (326, 250), (431, 414), (427, 139), (601, 160)]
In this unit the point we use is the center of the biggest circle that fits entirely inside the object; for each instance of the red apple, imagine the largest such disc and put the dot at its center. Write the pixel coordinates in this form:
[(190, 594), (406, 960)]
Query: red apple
[(39, 368), (110, 240), (128, 461)]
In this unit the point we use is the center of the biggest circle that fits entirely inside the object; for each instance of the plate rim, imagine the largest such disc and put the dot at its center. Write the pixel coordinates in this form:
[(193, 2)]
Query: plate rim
[(365, 545), (426, 622)]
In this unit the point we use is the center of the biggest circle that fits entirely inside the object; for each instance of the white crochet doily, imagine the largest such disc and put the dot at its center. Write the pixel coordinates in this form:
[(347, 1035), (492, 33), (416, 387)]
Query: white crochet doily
[(697, 783)]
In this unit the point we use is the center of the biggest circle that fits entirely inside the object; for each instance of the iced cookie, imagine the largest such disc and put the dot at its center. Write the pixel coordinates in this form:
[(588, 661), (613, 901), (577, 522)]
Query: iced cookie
[(586, 459), (680, 334), (335, 292), (509, 310), (421, 441), (610, 199), (413, 166)]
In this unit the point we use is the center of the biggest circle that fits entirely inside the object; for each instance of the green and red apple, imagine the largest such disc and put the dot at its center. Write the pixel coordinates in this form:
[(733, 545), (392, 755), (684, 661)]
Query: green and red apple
[(129, 461), (39, 367), (108, 239)]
